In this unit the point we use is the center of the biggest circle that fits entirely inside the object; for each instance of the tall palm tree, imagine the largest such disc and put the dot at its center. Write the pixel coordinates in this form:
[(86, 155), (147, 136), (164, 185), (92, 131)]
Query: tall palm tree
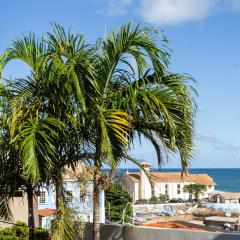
[(25, 156), (112, 101), (118, 102), (31, 128), (42, 112)]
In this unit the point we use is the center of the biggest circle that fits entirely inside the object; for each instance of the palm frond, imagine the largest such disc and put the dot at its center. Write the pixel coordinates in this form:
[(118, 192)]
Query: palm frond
[(37, 150), (63, 225), (29, 49), (5, 212)]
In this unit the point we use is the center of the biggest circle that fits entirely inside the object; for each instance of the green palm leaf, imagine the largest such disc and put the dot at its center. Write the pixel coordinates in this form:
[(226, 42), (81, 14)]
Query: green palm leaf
[(37, 150)]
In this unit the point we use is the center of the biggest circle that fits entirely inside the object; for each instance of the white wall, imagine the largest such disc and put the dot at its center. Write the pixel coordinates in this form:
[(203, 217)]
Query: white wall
[(19, 209), (130, 186), (145, 190), (159, 188), (134, 188)]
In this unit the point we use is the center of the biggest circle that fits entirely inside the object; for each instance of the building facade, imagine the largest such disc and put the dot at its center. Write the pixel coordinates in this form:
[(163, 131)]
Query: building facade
[(81, 203), (225, 197), (145, 184), (19, 210)]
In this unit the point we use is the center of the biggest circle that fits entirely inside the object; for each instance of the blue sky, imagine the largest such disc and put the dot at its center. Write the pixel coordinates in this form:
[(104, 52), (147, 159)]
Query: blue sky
[(205, 39)]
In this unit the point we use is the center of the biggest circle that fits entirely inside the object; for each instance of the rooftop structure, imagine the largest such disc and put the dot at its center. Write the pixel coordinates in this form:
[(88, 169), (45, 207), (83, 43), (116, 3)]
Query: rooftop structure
[(144, 184), (226, 197)]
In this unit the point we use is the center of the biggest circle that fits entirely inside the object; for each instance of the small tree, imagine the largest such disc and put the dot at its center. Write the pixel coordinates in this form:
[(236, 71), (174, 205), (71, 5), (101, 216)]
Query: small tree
[(163, 198), (116, 201), (195, 189), (154, 200)]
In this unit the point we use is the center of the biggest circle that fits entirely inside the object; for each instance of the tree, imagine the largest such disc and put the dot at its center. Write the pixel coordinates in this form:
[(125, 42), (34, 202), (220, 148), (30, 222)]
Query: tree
[(154, 200), (14, 173), (33, 123), (112, 101), (163, 198), (116, 200), (117, 102), (195, 189)]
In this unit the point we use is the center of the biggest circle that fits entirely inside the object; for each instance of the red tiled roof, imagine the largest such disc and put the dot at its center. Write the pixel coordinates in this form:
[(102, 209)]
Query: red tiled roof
[(46, 212), (175, 177)]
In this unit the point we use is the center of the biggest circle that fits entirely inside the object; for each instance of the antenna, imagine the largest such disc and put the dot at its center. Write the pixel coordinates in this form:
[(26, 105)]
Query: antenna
[(105, 32)]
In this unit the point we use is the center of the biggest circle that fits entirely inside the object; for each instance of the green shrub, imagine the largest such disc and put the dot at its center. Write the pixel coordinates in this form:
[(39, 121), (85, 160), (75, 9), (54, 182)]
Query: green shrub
[(41, 234), (163, 198), (19, 231), (143, 201), (154, 200), (116, 201)]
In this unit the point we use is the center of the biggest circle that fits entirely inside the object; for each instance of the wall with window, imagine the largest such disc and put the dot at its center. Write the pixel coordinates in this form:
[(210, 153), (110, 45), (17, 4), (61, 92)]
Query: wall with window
[(172, 189), (81, 203)]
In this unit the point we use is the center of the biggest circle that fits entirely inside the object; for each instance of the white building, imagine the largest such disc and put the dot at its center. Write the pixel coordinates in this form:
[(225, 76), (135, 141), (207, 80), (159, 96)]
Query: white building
[(141, 186), (82, 204), (225, 197)]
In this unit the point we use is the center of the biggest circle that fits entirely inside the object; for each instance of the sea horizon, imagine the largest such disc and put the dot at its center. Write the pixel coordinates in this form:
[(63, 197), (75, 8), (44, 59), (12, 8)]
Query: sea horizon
[(171, 168), (226, 179)]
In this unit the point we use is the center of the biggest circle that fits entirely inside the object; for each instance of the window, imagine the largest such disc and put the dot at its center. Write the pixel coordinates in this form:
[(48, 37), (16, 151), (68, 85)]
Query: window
[(166, 189), (178, 189), (42, 197), (69, 197), (83, 196)]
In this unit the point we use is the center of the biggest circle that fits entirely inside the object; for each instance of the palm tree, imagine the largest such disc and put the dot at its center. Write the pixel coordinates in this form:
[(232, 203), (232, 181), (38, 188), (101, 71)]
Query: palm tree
[(24, 154), (111, 102), (118, 102), (41, 112), (30, 130), (195, 189)]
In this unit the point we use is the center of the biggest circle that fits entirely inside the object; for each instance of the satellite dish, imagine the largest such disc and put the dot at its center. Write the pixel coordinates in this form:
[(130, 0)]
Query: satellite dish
[(228, 214)]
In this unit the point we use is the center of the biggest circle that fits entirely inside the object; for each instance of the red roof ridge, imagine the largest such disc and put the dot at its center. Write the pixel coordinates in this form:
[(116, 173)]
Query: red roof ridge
[(46, 212)]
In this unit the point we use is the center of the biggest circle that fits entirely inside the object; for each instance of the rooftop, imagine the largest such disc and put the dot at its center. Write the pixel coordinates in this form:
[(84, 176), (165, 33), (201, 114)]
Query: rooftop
[(230, 195), (46, 212), (157, 177)]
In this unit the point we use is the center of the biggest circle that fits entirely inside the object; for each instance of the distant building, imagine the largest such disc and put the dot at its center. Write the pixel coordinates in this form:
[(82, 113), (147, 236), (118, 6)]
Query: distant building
[(45, 202), (226, 197), (82, 204), (141, 186)]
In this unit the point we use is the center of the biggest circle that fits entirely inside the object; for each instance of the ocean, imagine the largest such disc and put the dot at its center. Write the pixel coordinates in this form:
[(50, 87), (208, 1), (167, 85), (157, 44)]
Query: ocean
[(227, 179)]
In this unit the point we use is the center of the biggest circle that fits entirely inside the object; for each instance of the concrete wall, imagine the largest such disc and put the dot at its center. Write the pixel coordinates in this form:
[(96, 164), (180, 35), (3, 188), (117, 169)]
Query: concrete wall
[(117, 232), (160, 188), (145, 190), (19, 210), (232, 201), (130, 186), (218, 198)]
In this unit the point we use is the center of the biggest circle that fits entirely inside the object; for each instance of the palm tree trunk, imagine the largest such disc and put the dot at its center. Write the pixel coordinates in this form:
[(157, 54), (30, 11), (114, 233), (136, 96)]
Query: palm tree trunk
[(96, 210), (96, 187), (31, 223), (58, 185)]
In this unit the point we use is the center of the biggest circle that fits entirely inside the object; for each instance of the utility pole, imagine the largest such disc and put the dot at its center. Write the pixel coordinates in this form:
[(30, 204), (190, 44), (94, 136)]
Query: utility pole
[(109, 210), (132, 210)]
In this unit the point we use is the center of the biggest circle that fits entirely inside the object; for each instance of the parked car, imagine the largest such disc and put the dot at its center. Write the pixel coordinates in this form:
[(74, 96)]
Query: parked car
[(173, 200), (177, 200)]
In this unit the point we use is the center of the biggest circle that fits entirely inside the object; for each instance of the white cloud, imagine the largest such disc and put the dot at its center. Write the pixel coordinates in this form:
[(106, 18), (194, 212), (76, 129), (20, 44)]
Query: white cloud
[(175, 11), (118, 7), (217, 143), (233, 5), (178, 11)]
